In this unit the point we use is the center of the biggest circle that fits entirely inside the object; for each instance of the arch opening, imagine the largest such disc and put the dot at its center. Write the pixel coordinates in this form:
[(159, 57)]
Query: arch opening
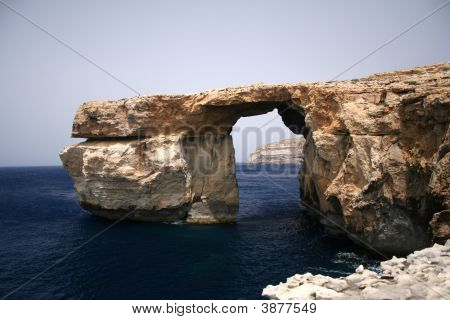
[(268, 155)]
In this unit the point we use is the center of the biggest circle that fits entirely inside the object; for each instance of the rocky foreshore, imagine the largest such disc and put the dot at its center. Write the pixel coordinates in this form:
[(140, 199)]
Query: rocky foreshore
[(424, 274), (284, 151)]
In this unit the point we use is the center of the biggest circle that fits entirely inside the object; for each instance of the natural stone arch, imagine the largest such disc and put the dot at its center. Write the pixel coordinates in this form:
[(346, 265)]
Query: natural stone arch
[(376, 154), (196, 154)]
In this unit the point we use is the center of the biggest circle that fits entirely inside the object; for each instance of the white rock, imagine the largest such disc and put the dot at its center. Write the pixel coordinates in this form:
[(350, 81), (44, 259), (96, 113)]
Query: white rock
[(360, 269), (418, 280)]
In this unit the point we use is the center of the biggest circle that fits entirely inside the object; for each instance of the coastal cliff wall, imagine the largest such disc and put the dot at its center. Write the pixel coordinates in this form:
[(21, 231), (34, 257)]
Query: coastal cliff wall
[(376, 157), (285, 151), (165, 178)]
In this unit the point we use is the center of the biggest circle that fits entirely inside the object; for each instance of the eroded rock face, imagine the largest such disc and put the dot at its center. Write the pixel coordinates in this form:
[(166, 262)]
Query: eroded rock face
[(285, 151), (376, 157), (440, 226), (167, 178), (423, 274), (213, 112)]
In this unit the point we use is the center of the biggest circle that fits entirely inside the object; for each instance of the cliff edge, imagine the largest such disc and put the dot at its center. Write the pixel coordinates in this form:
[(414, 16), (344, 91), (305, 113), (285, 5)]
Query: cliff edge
[(284, 151)]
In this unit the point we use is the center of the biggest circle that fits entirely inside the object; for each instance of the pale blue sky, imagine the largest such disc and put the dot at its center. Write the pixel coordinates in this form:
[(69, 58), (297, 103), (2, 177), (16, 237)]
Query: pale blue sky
[(186, 46)]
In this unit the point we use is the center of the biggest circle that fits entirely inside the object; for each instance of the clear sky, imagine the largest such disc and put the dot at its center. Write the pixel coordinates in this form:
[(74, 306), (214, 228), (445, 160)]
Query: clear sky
[(187, 46)]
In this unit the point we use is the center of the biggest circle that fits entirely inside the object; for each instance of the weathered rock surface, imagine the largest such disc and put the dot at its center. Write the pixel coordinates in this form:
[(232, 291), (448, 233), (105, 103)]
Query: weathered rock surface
[(440, 226), (376, 157), (285, 151), (423, 274), (165, 178)]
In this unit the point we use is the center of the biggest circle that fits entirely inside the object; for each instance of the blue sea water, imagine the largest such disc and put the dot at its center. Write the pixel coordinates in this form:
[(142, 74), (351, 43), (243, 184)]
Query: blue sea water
[(41, 223)]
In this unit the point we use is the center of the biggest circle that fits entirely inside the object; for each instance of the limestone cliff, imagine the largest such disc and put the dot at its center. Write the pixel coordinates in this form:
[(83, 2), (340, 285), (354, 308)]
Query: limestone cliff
[(376, 157), (165, 178), (285, 151)]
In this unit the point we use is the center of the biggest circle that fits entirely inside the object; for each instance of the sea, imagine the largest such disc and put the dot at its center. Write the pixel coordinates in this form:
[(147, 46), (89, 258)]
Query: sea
[(50, 248)]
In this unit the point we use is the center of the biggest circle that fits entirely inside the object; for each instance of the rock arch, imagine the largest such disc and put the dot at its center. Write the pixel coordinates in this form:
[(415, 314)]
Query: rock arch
[(376, 154)]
